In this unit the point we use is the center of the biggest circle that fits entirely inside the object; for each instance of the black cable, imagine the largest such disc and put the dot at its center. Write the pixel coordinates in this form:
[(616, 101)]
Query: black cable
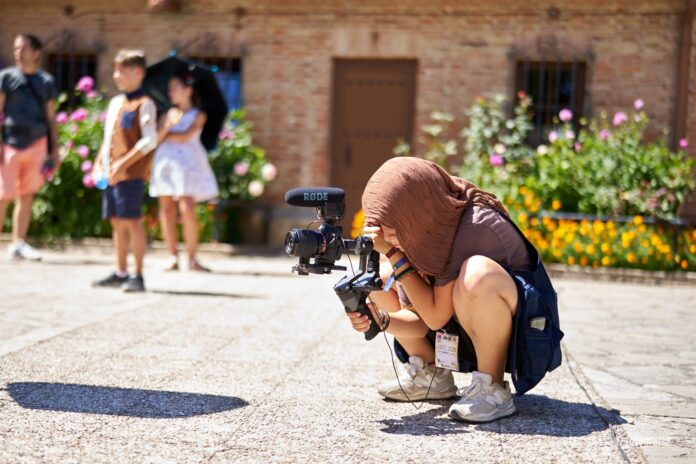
[(397, 374)]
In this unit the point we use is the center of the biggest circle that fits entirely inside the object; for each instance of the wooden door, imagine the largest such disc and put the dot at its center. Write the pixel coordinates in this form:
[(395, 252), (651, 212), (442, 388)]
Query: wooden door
[(373, 107)]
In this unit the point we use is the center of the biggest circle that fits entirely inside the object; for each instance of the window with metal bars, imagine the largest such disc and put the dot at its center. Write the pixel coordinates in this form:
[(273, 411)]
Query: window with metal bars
[(228, 72), (552, 85), (67, 69)]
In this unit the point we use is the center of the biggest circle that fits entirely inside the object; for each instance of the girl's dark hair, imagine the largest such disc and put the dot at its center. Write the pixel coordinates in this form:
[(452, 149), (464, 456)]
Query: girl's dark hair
[(186, 79), (34, 41)]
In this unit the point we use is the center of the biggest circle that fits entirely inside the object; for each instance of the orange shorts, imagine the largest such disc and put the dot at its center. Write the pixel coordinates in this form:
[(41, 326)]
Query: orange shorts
[(20, 169)]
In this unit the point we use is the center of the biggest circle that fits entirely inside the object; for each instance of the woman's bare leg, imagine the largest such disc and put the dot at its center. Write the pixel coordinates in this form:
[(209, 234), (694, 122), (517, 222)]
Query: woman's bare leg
[(485, 301), (167, 213), (188, 214)]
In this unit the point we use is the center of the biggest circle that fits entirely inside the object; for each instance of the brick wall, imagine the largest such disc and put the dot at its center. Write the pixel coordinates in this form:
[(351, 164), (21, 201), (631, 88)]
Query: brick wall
[(462, 48)]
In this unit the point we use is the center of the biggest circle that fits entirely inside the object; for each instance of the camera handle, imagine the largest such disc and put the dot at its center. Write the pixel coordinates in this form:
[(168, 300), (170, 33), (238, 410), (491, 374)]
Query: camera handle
[(353, 291)]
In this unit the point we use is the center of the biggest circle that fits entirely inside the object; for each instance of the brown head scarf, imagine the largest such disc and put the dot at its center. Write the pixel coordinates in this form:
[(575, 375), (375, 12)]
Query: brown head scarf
[(424, 204)]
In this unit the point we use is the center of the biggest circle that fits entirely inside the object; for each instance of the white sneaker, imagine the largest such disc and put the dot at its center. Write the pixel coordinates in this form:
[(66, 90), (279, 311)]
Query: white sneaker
[(415, 385), (22, 250), (483, 400)]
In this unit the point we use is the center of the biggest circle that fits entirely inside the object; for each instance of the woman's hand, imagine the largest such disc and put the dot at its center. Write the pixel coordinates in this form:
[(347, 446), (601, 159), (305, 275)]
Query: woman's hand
[(362, 323), (377, 236), (173, 117)]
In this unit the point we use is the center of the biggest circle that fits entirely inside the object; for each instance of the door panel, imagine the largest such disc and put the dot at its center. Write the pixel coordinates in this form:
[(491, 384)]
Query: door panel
[(373, 107)]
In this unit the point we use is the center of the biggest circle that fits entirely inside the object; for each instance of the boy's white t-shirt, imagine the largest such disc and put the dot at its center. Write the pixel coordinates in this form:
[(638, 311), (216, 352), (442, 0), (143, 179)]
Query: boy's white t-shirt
[(148, 128)]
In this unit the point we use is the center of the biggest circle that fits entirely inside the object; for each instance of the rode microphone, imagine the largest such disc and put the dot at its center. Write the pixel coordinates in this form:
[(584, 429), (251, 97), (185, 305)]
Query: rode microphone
[(329, 201), (315, 196)]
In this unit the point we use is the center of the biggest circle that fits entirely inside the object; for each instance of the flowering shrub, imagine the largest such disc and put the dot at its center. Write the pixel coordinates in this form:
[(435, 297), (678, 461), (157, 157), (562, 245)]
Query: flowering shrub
[(603, 243), (240, 166), (68, 205), (496, 150), (607, 168)]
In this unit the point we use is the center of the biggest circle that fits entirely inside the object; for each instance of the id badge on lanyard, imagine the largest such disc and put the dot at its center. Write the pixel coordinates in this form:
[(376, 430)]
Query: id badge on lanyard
[(446, 351)]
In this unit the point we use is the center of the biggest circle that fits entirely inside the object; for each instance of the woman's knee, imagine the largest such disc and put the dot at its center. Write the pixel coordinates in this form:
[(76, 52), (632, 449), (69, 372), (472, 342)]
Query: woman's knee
[(167, 205), (187, 205), (481, 278)]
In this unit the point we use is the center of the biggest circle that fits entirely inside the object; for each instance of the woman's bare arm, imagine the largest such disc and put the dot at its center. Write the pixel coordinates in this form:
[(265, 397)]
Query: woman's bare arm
[(192, 131), (434, 304)]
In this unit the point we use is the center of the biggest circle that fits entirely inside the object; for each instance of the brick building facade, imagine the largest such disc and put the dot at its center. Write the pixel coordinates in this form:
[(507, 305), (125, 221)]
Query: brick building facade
[(628, 49)]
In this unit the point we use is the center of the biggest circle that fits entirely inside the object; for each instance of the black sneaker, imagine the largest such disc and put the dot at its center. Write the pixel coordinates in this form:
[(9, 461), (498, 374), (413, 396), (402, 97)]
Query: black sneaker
[(113, 280), (134, 283)]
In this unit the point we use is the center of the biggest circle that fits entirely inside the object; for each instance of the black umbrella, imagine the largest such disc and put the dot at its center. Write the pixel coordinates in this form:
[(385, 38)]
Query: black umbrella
[(211, 99)]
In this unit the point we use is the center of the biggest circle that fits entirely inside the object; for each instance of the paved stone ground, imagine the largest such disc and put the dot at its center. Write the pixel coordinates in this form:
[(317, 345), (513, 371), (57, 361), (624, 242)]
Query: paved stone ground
[(253, 364)]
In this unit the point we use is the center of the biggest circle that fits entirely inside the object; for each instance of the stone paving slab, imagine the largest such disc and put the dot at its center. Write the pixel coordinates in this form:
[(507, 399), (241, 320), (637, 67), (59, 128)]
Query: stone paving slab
[(252, 364)]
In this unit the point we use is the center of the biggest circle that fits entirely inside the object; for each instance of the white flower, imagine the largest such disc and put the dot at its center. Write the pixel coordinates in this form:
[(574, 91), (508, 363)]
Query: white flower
[(542, 149), (269, 172), (255, 188), (499, 148)]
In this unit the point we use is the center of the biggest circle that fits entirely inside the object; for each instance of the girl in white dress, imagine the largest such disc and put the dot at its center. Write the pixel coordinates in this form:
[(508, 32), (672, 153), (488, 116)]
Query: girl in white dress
[(181, 172)]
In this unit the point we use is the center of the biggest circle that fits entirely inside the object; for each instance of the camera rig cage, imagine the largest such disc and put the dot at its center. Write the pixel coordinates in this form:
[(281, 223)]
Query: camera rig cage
[(319, 249)]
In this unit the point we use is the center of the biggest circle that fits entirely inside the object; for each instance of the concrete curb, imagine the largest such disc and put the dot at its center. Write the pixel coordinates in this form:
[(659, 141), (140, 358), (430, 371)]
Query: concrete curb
[(614, 274)]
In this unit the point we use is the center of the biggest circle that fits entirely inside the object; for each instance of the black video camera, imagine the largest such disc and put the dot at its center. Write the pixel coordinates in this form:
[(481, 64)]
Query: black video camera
[(325, 245)]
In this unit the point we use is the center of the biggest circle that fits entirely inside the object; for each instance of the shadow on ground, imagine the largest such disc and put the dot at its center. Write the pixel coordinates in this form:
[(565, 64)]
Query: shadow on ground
[(90, 399), (536, 415), (208, 294)]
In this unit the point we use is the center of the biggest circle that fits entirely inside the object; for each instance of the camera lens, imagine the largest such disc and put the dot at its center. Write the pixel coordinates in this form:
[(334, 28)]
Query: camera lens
[(304, 243)]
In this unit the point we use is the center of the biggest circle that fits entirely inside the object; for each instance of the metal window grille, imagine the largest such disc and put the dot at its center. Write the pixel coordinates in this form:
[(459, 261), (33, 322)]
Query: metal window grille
[(228, 72), (552, 85), (67, 69)]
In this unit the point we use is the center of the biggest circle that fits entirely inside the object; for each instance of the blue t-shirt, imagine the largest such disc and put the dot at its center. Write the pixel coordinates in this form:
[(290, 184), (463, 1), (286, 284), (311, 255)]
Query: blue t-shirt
[(25, 114)]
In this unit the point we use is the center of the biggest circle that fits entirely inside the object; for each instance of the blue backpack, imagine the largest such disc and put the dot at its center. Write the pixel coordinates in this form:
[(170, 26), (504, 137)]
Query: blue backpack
[(535, 344)]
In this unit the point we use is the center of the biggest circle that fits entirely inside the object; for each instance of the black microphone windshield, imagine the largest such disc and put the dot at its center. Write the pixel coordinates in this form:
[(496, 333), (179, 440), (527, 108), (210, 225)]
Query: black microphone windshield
[(314, 196)]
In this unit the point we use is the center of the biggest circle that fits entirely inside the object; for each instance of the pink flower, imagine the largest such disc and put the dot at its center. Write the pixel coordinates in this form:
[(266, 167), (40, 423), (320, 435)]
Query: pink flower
[(226, 134), (73, 129), (86, 166), (683, 143), (79, 114), (83, 151), (92, 94), (85, 84), (553, 136), (604, 134), (495, 160), (620, 118), (577, 146), (268, 172), (255, 188), (569, 134), (102, 116), (87, 181), (69, 144), (62, 117), (241, 169), (638, 104), (565, 115)]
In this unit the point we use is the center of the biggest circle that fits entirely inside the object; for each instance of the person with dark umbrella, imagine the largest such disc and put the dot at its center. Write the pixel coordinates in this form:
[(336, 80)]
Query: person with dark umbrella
[(181, 173)]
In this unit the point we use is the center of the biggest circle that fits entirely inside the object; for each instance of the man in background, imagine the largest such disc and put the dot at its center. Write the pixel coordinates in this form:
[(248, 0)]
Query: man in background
[(28, 129)]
